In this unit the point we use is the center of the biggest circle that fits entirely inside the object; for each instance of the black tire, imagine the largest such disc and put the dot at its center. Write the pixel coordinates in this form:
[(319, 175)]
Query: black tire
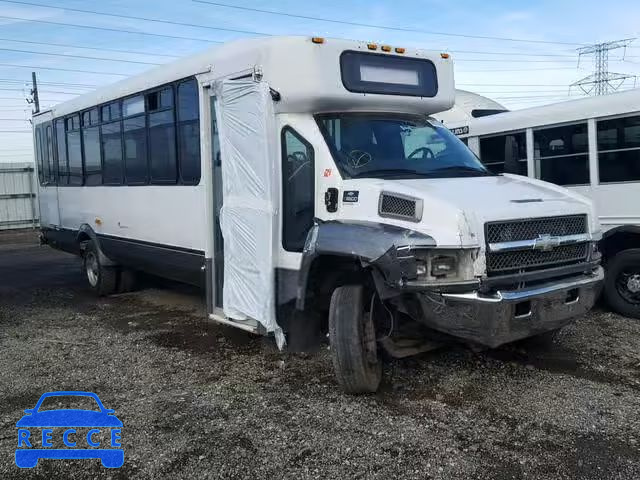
[(620, 269), (127, 280), (102, 279), (356, 361)]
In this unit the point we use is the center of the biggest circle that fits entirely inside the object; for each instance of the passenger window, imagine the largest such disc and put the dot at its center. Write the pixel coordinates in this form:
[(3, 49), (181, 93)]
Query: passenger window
[(561, 154), (61, 146), (619, 149), (92, 156), (505, 153), (133, 106), (51, 180), (298, 189), (39, 155), (74, 150), (189, 132), (135, 150), (162, 147), (113, 170)]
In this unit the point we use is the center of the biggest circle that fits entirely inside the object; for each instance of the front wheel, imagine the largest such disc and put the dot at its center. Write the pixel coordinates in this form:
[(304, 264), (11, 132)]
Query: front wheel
[(622, 283), (352, 336)]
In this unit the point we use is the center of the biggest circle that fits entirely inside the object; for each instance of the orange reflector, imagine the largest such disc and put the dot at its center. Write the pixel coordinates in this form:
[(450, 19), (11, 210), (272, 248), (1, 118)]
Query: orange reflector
[(400, 50), (372, 46), (445, 55), (385, 48), (317, 39)]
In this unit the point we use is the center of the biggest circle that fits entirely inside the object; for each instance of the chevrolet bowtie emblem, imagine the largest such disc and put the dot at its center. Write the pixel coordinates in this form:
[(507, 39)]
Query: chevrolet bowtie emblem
[(546, 243)]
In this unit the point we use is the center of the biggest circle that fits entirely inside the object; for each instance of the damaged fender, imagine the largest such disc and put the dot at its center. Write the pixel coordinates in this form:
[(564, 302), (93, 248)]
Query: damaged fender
[(387, 247)]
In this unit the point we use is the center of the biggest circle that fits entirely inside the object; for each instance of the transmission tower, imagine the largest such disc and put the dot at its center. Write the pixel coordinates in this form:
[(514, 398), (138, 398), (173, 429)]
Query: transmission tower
[(602, 81)]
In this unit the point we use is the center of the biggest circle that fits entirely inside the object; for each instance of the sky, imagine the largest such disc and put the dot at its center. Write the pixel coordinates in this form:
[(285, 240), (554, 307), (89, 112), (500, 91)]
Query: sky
[(518, 74)]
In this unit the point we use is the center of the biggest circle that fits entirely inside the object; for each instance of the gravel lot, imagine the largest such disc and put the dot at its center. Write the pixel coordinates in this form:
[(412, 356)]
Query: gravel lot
[(202, 401)]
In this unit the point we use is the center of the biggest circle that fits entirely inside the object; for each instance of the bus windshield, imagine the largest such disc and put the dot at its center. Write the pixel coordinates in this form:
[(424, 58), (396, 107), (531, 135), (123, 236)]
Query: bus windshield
[(377, 145)]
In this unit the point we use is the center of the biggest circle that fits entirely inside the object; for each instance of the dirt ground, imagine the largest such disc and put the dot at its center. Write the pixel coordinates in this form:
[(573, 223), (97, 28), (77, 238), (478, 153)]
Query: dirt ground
[(203, 401)]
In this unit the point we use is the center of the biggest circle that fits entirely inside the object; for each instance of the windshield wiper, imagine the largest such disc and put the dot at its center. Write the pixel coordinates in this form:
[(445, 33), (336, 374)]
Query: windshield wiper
[(388, 171), (463, 169)]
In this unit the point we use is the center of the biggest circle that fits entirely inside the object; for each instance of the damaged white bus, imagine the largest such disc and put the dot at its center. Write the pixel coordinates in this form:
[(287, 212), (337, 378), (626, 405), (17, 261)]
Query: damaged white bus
[(301, 181)]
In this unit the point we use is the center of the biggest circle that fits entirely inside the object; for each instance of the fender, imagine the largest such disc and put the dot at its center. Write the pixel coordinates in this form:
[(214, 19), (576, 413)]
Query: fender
[(621, 229), (85, 229), (387, 247)]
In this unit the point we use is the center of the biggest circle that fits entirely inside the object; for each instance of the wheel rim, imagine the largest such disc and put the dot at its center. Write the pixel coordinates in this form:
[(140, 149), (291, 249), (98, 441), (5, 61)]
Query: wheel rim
[(92, 268), (628, 284)]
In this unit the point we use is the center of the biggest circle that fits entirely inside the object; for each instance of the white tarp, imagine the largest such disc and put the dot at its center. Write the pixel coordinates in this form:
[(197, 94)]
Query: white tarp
[(248, 216)]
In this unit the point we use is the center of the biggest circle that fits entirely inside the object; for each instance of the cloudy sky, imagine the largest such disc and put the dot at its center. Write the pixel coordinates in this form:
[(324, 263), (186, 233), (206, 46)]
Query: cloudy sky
[(521, 54)]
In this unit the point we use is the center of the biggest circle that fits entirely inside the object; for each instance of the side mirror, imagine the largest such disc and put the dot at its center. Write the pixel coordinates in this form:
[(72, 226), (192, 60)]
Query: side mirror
[(29, 411)]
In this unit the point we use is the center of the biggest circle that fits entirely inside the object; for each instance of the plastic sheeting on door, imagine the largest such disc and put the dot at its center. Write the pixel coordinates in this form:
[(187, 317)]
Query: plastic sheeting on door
[(248, 216)]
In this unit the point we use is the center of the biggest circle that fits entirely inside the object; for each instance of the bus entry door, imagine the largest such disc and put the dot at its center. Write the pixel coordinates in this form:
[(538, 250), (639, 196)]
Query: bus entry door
[(247, 133)]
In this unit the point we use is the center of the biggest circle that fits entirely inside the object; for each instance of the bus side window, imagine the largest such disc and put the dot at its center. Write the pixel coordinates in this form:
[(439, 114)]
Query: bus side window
[(38, 150), (74, 150), (619, 149), (52, 169), (162, 136), (298, 189), (505, 153), (61, 147), (562, 154), (91, 148), (189, 132)]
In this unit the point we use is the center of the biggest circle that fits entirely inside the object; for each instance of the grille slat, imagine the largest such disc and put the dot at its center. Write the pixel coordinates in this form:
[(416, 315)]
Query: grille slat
[(513, 231), (513, 261)]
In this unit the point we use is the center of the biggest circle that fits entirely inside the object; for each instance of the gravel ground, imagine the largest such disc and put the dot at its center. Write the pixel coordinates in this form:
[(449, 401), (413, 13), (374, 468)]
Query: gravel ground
[(202, 401)]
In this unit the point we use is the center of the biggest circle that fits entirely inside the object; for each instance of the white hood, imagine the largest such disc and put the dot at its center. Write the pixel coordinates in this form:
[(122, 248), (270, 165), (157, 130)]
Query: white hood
[(456, 209)]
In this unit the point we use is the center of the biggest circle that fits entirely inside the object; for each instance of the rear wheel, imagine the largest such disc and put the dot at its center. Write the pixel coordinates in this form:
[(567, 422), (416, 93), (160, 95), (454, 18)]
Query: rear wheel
[(356, 361), (102, 279), (622, 283)]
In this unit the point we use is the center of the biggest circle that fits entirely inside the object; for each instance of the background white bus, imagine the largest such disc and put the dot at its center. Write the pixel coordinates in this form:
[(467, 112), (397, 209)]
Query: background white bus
[(591, 146)]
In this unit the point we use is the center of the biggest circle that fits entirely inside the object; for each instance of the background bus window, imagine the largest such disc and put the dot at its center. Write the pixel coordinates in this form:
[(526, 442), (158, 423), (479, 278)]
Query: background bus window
[(135, 150), (61, 146), (52, 169), (297, 190), (92, 156), (619, 149), (162, 136), (74, 150), (39, 155), (561, 154), (505, 153), (113, 168), (189, 132)]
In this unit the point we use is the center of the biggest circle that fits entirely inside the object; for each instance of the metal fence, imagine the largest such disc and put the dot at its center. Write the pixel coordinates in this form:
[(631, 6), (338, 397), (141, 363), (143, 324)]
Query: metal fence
[(18, 203)]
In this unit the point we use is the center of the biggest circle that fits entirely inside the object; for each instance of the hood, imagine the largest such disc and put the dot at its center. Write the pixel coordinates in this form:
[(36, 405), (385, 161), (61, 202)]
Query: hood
[(456, 209)]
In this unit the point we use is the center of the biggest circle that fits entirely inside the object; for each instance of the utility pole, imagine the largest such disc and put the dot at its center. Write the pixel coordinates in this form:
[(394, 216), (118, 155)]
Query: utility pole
[(34, 94), (602, 81)]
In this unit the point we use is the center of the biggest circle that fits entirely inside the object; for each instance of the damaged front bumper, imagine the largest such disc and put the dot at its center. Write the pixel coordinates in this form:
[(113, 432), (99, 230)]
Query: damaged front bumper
[(505, 316)]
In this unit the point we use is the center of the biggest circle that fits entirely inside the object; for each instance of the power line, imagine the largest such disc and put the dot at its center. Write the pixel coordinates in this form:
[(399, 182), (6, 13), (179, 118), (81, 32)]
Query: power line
[(46, 91), (77, 56), (512, 84), (15, 131), (105, 49), (91, 27), (130, 17), (55, 84), (382, 27), (63, 69)]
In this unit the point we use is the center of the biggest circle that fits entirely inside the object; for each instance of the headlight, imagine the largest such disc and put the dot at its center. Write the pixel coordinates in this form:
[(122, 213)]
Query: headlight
[(445, 264)]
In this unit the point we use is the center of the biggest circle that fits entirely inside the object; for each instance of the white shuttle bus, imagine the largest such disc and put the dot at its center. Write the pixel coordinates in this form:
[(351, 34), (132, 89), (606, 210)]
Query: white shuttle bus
[(303, 183), (590, 146)]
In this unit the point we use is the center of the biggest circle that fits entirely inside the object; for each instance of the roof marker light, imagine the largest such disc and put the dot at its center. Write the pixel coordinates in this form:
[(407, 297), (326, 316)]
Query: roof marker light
[(445, 55), (372, 46), (385, 48), (317, 39), (400, 50)]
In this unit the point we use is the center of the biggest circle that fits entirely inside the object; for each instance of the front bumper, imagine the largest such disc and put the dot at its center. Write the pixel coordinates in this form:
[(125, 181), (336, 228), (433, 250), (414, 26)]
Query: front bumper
[(506, 316)]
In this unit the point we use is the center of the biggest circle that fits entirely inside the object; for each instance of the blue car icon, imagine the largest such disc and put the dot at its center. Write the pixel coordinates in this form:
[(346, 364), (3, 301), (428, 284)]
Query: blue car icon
[(36, 419)]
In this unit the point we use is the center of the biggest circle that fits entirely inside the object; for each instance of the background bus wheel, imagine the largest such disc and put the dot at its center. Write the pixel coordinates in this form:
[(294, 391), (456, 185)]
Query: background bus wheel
[(352, 335), (102, 279), (622, 283)]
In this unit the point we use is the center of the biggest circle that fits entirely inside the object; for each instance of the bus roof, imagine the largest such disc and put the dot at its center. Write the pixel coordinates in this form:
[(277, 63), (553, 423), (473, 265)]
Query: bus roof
[(306, 74), (557, 113)]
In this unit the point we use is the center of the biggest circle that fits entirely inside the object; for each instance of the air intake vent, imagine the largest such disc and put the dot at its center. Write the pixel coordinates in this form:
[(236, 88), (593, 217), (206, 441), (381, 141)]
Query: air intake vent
[(395, 205)]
